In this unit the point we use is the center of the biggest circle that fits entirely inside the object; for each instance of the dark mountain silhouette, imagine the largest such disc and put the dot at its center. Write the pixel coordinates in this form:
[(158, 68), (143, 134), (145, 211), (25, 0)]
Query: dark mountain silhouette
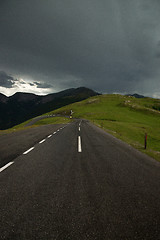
[(23, 106), (3, 98)]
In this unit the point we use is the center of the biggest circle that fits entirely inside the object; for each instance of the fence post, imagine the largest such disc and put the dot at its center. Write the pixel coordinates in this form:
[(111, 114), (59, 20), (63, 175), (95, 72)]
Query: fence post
[(145, 141)]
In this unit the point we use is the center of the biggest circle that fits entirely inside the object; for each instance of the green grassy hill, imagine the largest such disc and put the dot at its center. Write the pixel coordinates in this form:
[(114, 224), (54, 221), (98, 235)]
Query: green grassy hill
[(127, 118), (23, 106)]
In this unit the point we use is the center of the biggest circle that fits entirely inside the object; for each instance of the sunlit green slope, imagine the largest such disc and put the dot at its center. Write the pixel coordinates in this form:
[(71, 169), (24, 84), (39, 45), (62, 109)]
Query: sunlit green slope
[(127, 118)]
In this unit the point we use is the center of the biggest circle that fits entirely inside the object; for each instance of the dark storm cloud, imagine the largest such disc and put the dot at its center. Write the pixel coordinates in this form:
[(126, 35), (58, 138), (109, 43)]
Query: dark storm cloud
[(41, 85), (106, 45), (31, 84), (6, 80), (158, 50)]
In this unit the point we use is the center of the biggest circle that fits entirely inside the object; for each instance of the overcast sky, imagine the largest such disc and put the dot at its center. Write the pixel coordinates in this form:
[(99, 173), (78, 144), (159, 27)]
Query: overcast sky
[(111, 46)]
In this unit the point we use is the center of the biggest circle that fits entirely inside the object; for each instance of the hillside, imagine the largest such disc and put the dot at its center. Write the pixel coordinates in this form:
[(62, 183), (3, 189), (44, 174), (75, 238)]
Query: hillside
[(127, 118), (23, 106)]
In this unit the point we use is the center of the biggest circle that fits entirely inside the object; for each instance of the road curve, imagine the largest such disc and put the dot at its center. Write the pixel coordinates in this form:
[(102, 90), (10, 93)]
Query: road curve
[(80, 183)]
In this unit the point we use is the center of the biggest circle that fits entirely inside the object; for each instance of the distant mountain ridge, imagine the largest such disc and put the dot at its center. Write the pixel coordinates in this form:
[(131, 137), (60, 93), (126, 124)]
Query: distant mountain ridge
[(136, 95), (23, 106), (3, 98)]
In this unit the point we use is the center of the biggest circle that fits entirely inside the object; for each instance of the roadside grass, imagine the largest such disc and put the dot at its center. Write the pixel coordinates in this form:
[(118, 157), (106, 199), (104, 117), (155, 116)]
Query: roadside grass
[(52, 120), (127, 118), (46, 121), (16, 128)]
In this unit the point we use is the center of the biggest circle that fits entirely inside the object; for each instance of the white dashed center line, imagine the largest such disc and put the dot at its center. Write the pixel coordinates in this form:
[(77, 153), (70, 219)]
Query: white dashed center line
[(42, 141), (49, 136), (79, 144), (28, 150), (6, 166), (79, 129)]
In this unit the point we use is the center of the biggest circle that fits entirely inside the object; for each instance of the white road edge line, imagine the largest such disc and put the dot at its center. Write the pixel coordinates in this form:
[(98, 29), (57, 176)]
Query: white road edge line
[(49, 136), (6, 166), (42, 141), (28, 150), (54, 133), (58, 130), (79, 144)]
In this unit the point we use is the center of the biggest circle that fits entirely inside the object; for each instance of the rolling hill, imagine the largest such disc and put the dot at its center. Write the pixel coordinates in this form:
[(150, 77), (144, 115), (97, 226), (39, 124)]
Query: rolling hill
[(127, 118), (23, 106)]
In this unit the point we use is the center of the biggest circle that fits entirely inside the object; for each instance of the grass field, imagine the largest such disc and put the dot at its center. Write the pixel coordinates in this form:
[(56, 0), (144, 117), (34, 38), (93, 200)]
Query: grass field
[(127, 118)]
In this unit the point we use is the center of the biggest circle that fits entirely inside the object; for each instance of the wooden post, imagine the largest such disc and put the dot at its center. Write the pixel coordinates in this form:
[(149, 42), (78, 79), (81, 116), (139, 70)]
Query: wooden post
[(145, 141)]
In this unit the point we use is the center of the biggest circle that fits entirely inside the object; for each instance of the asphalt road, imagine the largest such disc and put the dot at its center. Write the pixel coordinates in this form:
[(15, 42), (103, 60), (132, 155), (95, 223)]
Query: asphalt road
[(80, 183), (14, 144)]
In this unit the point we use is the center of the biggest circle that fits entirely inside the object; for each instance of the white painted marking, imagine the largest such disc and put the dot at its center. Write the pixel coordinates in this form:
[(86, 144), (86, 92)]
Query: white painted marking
[(54, 133), (58, 130), (79, 144), (28, 150), (6, 166), (49, 136), (79, 129), (42, 141)]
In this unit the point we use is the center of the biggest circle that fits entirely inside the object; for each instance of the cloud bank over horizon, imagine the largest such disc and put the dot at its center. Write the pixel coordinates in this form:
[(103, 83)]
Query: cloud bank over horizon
[(10, 85), (109, 46)]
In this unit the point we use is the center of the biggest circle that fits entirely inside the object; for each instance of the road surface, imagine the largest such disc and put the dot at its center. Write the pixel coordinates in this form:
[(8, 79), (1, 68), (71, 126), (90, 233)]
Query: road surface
[(80, 183)]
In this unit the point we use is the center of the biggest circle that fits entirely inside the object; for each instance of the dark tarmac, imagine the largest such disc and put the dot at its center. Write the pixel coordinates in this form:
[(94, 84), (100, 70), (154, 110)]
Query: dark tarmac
[(107, 191)]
